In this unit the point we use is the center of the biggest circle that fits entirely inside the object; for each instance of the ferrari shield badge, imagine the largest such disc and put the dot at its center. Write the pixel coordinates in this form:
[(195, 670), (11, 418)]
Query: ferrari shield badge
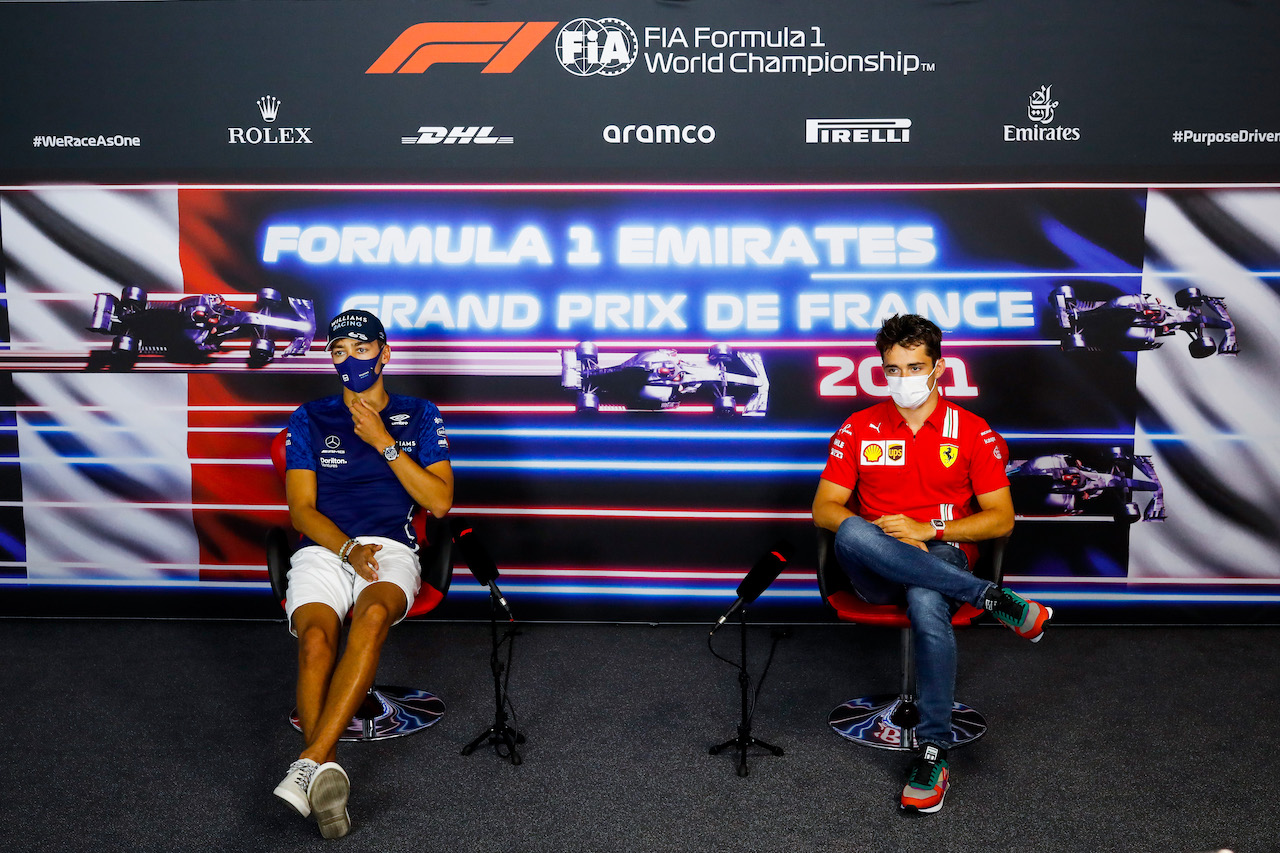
[(948, 453)]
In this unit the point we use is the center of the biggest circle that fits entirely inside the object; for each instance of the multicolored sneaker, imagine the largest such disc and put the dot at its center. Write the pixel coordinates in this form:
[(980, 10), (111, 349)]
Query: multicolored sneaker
[(296, 785), (329, 791), (1027, 618), (927, 778)]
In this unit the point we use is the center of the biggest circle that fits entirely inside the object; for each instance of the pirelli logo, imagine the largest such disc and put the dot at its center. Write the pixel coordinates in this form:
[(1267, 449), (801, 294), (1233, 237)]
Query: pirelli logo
[(500, 45), (826, 130)]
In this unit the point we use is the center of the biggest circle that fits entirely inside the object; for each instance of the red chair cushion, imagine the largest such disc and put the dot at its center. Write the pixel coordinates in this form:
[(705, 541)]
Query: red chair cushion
[(277, 451), (850, 608), (425, 601)]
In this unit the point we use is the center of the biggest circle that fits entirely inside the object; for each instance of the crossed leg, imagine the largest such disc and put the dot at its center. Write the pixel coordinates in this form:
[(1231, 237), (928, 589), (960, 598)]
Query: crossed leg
[(330, 689)]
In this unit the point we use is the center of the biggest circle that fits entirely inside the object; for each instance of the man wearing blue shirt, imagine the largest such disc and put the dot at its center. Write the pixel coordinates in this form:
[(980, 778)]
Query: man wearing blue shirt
[(359, 465)]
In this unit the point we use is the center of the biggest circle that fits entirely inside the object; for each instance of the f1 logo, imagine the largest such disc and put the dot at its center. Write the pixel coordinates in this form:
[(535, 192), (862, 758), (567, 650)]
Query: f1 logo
[(502, 45)]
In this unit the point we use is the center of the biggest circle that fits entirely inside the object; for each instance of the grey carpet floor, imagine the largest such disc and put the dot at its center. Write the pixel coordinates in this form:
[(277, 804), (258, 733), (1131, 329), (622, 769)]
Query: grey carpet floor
[(156, 735)]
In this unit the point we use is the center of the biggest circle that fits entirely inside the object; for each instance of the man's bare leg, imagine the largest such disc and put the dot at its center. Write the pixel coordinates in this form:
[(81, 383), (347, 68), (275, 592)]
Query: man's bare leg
[(318, 628), (377, 608)]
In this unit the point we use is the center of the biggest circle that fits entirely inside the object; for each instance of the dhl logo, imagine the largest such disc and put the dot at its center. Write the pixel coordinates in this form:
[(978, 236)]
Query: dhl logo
[(502, 45)]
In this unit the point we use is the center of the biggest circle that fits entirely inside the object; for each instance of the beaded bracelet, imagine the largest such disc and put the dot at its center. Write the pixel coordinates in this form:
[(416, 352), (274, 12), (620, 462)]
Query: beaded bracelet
[(347, 547)]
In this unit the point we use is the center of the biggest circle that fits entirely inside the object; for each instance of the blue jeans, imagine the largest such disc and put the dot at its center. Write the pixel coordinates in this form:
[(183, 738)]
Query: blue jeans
[(884, 570)]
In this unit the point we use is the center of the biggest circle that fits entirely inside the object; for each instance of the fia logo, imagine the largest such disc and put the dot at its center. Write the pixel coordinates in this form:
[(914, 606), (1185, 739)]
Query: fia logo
[(587, 47)]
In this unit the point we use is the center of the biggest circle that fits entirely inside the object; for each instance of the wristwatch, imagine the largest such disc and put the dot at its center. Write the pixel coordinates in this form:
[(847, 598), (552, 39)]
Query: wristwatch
[(392, 453), (939, 526)]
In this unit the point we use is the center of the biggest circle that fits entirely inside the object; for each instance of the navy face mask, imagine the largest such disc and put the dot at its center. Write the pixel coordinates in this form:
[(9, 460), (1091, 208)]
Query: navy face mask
[(358, 374)]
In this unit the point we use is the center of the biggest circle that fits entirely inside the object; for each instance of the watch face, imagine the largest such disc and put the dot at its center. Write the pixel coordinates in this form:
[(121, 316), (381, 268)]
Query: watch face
[(938, 524), (391, 452)]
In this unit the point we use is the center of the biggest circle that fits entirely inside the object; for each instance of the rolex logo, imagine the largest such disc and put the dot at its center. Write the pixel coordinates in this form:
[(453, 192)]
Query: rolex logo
[(269, 106)]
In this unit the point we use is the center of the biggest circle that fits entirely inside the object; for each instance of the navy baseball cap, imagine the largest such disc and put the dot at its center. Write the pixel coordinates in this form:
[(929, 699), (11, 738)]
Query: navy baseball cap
[(357, 325)]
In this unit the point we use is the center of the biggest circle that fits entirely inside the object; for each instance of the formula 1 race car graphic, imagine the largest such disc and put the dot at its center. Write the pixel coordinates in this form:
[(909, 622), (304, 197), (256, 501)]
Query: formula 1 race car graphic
[(1134, 322), (1061, 484), (663, 379), (191, 328)]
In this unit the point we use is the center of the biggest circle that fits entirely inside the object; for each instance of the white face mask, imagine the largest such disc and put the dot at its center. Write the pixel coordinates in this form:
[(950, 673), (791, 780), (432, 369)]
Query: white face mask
[(910, 392)]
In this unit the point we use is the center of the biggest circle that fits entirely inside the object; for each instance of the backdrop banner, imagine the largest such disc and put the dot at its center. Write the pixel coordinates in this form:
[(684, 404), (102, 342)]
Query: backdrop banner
[(639, 385)]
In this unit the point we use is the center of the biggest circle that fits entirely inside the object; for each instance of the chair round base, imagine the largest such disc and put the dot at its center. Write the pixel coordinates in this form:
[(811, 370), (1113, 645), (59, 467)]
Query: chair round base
[(389, 711), (887, 722)]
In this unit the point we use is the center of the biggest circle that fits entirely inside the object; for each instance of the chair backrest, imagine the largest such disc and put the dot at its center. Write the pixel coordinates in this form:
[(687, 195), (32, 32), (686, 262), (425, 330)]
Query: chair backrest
[(436, 543), (277, 451), (831, 578)]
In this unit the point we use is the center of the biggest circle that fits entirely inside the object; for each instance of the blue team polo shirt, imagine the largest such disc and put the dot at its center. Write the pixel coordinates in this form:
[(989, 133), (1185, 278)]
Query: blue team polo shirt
[(355, 487)]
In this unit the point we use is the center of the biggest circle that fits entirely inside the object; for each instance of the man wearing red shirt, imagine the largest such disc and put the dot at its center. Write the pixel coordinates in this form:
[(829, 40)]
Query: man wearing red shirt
[(910, 485)]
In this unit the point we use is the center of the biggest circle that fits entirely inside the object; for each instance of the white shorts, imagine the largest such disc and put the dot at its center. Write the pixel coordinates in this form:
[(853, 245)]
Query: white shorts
[(317, 576)]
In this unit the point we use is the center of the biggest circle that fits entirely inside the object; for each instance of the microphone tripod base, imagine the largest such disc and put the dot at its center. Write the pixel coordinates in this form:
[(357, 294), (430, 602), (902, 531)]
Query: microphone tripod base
[(502, 738), (741, 742), (744, 738)]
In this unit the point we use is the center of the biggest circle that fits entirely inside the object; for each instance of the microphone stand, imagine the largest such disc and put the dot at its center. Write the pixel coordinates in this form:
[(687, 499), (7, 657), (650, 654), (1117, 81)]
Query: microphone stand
[(744, 738), (502, 737)]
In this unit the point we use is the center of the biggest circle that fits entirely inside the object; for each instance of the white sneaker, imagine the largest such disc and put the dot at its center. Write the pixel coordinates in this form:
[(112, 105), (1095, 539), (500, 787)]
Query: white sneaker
[(330, 788), (296, 787)]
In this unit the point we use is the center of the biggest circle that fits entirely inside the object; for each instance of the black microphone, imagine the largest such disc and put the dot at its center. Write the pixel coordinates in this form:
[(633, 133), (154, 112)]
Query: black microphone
[(763, 573), (481, 565)]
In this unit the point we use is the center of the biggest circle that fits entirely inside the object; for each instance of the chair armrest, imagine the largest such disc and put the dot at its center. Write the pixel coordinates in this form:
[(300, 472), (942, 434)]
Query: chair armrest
[(436, 558)]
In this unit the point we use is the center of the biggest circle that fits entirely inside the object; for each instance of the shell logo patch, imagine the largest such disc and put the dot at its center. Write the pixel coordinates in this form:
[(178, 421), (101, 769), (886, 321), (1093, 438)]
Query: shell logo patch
[(873, 452), (948, 453)]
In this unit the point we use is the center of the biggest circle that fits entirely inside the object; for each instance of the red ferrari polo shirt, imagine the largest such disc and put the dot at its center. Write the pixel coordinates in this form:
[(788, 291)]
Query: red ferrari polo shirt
[(933, 473)]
